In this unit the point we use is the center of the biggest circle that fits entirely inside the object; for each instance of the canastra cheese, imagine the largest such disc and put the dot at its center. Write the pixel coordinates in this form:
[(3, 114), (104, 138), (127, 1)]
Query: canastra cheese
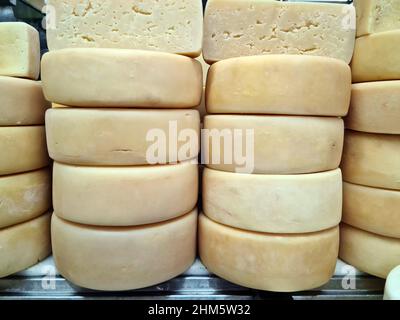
[(121, 78), (272, 144), (117, 259), (21, 102), (372, 160), (263, 261), (22, 149), (279, 84), (375, 107), (122, 137), (253, 27), (24, 196), (369, 252), (24, 245), (376, 57), (124, 196), (392, 287), (19, 50)]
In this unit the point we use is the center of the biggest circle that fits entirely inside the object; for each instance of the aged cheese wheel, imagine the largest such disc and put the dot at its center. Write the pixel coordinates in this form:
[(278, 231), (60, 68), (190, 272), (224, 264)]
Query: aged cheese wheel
[(24, 245), (375, 107), (282, 144), (22, 149), (372, 160), (117, 259), (392, 287), (124, 196), (369, 252), (122, 137), (121, 78), (279, 84), (263, 261)]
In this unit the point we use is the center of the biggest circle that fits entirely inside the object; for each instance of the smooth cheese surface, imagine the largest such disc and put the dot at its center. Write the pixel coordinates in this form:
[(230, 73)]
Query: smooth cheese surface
[(24, 196), (253, 27), (279, 84), (121, 137), (24, 245), (369, 252), (124, 196), (392, 287), (283, 263), (117, 259), (372, 160), (22, 149), (89, 77), (274, 203)]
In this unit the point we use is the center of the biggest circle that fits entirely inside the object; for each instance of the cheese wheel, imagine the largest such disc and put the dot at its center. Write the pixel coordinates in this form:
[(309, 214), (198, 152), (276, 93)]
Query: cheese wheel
[(283, 263), (117, 259), (279, 84), (369, 252), (22, 149), (282, 145), (21, 102), (24, 245), (392, 287), (121, 78), (372, 160), (375, 107), (124, 196), (122, 137), (376, 57)]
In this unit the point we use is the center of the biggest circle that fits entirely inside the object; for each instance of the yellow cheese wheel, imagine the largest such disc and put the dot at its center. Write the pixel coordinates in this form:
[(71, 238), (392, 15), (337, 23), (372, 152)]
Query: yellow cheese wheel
[(122, 137), (263, 261), (369, 252), (372, 160), (24, 245), (279, 84), (117, 259), (121, 78), (392, 287)]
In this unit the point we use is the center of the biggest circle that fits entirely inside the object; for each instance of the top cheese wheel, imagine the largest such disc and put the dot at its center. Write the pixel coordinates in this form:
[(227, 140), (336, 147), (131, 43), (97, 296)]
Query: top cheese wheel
[(279, 84), (121, 78), (234, 28), (167, 25)]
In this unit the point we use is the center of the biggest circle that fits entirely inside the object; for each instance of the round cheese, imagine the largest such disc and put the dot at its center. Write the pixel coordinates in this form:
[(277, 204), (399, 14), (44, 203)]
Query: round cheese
[(123, 136), (272, 144), (24, 245), (22, 149), (116, 259), (369, 252), (89, 77), (372, 160), (392, 287), (279, 84), (263, 261), (124, 196), (24, 196), (375, 107), (372, 209)]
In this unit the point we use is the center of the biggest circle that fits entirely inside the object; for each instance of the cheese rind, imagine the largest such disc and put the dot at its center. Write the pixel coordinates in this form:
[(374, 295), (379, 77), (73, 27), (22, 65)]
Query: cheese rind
[(369, 252), (372, 160), (116, 259), (283, 263), (24, 245), (392, 287)]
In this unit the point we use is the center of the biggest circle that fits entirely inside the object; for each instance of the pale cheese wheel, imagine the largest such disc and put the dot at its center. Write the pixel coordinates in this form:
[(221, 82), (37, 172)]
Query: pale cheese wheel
[(117, 259), (372, 160), (24, 245), (121, 78), (124, 196), (369, 252), (392, 287), (279, 84), (283, 263), (122, 137)]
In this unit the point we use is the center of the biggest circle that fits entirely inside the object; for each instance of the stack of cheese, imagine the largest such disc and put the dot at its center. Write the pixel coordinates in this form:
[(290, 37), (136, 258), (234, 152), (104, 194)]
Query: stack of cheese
[(272, 208), (371, 163), (24, 179), (120, 223)]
